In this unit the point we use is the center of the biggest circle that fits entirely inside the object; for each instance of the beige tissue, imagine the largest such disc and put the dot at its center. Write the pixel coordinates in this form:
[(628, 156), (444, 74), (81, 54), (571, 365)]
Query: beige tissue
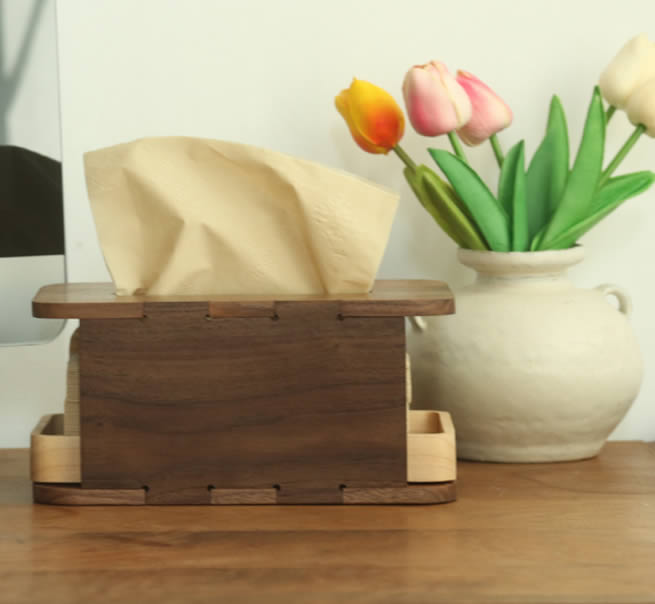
[(190, 216)]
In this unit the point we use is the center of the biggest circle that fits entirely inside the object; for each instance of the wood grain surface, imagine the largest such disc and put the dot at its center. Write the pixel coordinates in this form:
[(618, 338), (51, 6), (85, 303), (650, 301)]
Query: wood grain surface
[(73, 495), (55, 457), (72, 401), (389, 298), (410, 494), (176, 402), (571, 533), (431, 452)]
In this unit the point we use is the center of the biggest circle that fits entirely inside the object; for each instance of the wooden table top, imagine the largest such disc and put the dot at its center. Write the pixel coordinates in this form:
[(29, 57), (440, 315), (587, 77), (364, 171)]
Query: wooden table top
[(573, 533)]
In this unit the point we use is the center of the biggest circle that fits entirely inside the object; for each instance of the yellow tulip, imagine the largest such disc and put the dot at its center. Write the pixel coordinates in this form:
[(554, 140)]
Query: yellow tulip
[(375, 120)]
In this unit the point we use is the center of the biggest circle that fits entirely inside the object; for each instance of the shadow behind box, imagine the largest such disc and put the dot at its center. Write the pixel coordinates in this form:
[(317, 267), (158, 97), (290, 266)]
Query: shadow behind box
[(223, 401)]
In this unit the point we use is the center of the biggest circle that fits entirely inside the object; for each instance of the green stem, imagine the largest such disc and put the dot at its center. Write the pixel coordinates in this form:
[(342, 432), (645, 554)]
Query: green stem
[(407, 160), (610, 112), (457, 147), (498, 152), (623, 151)]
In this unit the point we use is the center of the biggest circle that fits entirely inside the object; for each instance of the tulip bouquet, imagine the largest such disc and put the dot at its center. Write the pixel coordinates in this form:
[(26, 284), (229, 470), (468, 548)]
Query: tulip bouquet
[(544, 205)]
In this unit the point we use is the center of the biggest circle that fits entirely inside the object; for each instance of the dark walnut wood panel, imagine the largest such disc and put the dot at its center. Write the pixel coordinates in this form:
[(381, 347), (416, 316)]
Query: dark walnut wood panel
[(243, 496), (413, 494), (84, 301), (177, 402), (389, 298), (75, 495)]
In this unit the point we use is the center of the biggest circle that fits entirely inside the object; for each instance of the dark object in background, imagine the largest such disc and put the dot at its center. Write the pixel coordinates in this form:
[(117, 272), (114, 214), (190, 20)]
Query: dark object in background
[(31, 204)]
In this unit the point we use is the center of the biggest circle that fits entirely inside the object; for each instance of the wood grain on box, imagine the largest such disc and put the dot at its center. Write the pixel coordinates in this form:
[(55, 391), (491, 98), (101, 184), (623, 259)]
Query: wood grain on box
[(72, 402), (73, 494), (306, 401), (428, 462), (389, 298), (412, 494), (192, 400)]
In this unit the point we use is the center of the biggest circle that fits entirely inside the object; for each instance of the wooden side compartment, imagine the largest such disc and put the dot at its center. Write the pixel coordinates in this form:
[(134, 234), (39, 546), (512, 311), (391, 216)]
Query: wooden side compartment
[(431, 453), (54, 456)]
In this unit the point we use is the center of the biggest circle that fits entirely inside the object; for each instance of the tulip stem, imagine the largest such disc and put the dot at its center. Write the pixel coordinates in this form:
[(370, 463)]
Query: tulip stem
[(610, 112), (498, 152), (407, 160), (623, 151), (457, 147)]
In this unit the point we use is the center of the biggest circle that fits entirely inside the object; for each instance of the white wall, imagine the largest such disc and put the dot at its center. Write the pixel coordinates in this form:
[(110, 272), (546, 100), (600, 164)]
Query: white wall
[(266, 73), (22, 277)]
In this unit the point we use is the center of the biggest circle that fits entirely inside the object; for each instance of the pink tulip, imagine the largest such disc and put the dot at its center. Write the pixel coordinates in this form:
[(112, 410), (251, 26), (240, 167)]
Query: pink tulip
[(490, 113), (436, 103)]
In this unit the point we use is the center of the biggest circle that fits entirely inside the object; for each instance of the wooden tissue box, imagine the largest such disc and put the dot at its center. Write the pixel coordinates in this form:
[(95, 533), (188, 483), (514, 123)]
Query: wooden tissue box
[(242, 400)]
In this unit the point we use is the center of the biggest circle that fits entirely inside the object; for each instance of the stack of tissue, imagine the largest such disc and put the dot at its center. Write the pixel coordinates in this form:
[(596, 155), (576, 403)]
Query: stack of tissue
[(190, 216)]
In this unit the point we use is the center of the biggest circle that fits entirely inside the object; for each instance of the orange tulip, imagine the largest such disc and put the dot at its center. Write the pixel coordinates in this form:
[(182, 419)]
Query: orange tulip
[(375, 120)]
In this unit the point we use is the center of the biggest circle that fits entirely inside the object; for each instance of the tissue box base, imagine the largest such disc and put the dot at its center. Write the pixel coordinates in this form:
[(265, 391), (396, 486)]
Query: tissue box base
[(225, 401)]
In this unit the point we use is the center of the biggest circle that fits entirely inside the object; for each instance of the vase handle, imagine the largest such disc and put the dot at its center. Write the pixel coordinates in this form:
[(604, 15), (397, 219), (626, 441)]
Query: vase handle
[(625, 302), (418, 323)]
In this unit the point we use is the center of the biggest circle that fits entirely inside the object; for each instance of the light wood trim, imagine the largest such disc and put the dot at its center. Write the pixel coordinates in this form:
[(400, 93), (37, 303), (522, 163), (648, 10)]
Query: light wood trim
[(408, 381), (389, 298), (72, 402), (431, 454), (54, 457)]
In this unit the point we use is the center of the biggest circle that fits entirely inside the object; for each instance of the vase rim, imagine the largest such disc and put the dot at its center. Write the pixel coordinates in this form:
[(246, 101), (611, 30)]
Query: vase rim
[(546, 261)]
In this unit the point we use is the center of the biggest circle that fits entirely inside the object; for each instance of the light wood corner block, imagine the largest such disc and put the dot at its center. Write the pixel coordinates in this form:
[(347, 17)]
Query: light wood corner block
[(431, 455), (55, 457)]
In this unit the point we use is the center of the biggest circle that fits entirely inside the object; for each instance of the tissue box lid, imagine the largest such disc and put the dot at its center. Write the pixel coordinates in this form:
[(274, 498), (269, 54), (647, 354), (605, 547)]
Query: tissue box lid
[(389, 298)]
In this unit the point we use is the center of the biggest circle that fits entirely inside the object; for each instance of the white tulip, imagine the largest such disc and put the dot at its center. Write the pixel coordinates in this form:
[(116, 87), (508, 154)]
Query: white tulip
[(630, 68), (641, 107)]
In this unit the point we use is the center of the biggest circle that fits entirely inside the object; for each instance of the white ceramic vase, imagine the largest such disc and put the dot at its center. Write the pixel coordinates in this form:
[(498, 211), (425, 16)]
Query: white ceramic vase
[(531, 368)]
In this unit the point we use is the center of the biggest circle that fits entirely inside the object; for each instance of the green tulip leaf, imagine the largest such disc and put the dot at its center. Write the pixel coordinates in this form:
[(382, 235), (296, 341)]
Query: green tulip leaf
[(445, 190), (536, 240), (446, 197), (611, 196), (507, 179), (512, 195), (520, 234), (583, 179), (415, 181), (548, 170), (622, 187), (441, 202), (490, 216)]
